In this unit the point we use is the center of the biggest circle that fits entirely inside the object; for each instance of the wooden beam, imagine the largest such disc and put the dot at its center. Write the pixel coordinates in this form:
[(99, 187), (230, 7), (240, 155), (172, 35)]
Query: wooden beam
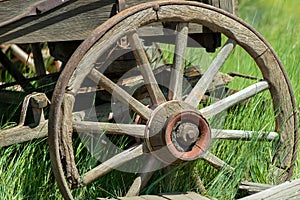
[(167, 196), (252, 188), (286, 190), (73, 20), (21, 134)]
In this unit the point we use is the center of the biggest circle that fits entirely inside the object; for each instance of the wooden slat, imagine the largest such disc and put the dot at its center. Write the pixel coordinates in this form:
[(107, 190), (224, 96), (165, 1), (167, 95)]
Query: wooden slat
[(252, 188), (75, 20), (186, 196), (288, 190), (170, 196), (12, 8), (72, 21), (21, 134), (151, 197), (132, 198)]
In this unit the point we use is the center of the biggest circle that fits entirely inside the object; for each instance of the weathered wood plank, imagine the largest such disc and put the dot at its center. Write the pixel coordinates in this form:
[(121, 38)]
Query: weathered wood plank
[(12, 8), (252, 188), (288, 190), (183, 196), (186, 196), (170, 196), (73, 20), (21, 134), (227, 5), (132, 198), (151, 197)]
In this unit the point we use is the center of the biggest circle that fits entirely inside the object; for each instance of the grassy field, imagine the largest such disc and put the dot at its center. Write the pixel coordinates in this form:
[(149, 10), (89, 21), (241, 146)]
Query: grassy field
[(279, 22), (25, 169)]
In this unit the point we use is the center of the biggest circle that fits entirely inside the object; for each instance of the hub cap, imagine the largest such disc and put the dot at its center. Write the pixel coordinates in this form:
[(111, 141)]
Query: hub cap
[(177, 132)]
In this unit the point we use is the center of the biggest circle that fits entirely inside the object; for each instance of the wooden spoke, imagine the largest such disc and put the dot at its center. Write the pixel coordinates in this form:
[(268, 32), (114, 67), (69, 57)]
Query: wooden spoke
[(147, 171), (240, 96), (120, 94), (200, 88), (243, 135), (215, 161), (175, 89), (112, 163), (134, 130), (155, 93)]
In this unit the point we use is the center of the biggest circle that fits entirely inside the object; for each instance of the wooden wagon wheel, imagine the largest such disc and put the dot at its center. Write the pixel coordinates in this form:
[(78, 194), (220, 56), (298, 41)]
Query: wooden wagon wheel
[(172, 128)]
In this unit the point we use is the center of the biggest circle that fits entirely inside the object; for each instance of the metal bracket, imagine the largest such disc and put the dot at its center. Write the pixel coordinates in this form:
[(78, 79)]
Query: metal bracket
[(38, 101), (22, 133)]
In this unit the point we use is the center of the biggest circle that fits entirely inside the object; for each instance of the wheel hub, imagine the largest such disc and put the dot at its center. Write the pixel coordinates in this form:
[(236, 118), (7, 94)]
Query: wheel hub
[(184, 136), (177, 132)]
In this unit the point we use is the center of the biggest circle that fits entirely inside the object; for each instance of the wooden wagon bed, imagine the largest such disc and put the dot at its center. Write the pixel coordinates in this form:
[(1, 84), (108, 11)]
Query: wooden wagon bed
[(30, 21)]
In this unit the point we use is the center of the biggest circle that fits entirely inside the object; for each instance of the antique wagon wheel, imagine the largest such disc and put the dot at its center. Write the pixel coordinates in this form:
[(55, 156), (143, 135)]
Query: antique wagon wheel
[(172, 127)]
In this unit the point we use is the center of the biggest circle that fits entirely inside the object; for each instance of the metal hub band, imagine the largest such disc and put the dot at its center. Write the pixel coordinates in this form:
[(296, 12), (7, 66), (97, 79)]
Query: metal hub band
[(177, 132)]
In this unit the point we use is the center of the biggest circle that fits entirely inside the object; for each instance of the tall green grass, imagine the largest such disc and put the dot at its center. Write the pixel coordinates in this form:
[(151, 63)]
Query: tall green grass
[(279, 22), (25, 169)]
